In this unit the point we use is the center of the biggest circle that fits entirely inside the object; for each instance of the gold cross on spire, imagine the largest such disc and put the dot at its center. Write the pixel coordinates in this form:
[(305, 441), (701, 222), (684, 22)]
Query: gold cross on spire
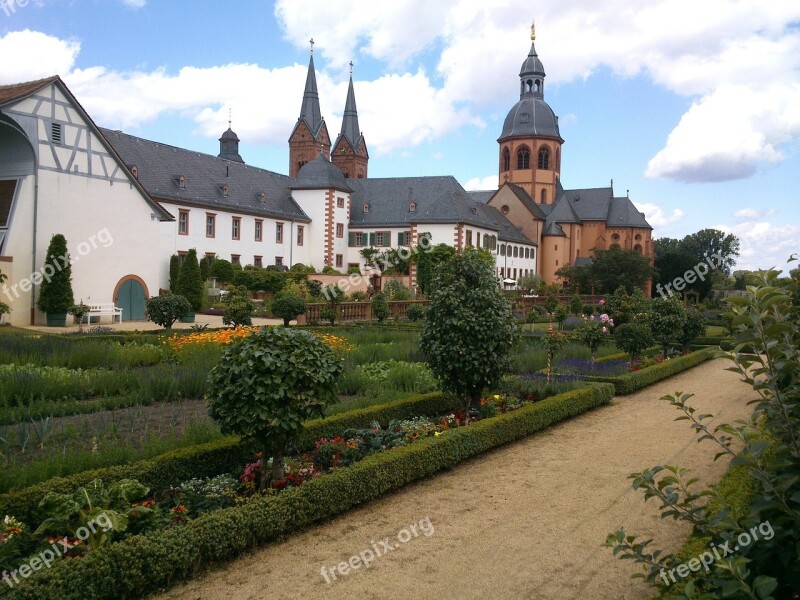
[(311, 41), (533, 30)]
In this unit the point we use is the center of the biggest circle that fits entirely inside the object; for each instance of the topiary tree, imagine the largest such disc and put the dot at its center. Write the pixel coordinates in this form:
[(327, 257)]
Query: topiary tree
[(190, 286), (468, 330), (174, 272), (561, 315), (694, 325), (238, 307), (666, 319), (633, 338), (288, 307), (380, 307), (551, 303), (415, 312), (222, 270), (205, 267), (576, 305), (333, 296), (593, 333), (165, 310), (55, 291), (253, 392)]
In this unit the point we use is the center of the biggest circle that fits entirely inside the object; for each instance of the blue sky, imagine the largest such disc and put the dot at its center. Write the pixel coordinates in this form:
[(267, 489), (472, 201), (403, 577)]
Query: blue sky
[(693, 107)]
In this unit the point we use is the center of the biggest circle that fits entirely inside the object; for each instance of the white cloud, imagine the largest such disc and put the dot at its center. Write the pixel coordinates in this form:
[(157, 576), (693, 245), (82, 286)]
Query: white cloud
[(35, 56), (752, 213), (729, 132), (656, 216), (134, 3), (764, 244), (482, 183)]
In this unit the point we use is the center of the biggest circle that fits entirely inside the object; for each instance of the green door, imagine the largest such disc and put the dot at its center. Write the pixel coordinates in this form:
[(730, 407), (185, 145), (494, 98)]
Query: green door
[(131, 300)]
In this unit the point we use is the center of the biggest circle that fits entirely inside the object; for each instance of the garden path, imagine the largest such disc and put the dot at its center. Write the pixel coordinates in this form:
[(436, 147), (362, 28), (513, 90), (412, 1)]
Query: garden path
[(525, 521)]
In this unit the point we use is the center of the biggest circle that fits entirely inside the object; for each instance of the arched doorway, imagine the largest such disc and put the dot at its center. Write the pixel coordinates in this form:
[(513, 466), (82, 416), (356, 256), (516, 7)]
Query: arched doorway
[(131, 295)]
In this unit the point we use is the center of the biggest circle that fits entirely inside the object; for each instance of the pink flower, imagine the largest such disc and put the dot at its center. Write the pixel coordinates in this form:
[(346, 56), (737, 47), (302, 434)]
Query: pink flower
[(601, 302), (605, 329)]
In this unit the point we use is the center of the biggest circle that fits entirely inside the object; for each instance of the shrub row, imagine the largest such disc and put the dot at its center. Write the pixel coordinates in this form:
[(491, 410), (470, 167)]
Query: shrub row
[(144, 564), (221, 456), (726, 343), (636, 380)]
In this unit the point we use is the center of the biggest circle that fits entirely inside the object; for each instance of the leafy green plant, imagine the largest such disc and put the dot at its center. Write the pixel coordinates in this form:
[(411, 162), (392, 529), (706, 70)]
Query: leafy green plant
[(165, 310), (469, 330), (174, 271), (189, 284), (288, 307), (694, 325), (380, 307), (633, 338), (55, 295), (765, 355), (415, 312), (238, 307), (268, 384), (666, 320)]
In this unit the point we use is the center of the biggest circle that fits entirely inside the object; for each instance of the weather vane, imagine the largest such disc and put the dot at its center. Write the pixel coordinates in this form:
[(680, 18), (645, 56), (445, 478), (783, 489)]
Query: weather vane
[(230, 117), (533, 30), (351, 67), (311, 41)]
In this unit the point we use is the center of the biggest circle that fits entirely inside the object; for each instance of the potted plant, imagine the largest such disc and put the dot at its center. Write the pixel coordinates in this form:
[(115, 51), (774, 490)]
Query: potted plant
[(79, 311), (55, 291), (190, 285)]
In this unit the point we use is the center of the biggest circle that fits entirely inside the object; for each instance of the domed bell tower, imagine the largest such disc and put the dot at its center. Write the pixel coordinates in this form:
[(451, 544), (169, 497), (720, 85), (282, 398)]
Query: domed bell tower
[(530, 144)]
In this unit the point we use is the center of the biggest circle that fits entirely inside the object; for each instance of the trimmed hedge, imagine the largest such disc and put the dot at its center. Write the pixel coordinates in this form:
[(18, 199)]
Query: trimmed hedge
[(636, 380), (726, 343), (143, 564), (220, 456)]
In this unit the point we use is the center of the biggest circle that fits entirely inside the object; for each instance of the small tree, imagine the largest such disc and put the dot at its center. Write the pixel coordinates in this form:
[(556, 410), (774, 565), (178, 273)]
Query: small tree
[(593, 333), (55, 294), (253, 394), (666, 319), (553, 342), (694, 325), (190, 286), (561, 315), (165, 310), (222, 270), (633, 338), (468, 330), (79, 311), (380, 308), (333, 296), (551, 303), (288, 307), (174, 272), (576, 305), (205, 267), (415, 312), (238, 307)]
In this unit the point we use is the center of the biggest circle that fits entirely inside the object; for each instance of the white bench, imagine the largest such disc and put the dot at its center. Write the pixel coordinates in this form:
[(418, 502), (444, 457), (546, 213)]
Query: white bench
[(103, 310)]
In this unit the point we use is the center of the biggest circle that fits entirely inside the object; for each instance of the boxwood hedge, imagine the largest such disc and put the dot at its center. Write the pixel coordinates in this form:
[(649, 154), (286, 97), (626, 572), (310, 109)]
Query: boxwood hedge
[(636, 380), (220, 456), (143, 564)]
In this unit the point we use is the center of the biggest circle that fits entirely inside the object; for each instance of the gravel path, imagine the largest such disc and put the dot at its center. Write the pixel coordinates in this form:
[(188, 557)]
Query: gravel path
[(525, 521)]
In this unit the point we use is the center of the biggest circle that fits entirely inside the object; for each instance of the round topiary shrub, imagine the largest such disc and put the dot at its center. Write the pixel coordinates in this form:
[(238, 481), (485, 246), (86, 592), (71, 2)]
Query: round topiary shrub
[(268, 384), (165, 310), (380, 307), (415, 312), (288, 307), (633, 338)]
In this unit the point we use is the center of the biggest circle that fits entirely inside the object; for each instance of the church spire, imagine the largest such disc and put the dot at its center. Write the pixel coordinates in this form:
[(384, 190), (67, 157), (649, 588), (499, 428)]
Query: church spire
[(310, 134), (531, 74), (309, 110), (350, 150), (229, 143)]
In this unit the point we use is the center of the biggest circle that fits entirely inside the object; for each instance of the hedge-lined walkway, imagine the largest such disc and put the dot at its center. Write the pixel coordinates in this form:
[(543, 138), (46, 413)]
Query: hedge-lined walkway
[(527, 521)]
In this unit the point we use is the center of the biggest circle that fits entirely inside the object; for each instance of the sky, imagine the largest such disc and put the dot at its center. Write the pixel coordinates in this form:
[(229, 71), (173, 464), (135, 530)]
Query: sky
[(692, 108)]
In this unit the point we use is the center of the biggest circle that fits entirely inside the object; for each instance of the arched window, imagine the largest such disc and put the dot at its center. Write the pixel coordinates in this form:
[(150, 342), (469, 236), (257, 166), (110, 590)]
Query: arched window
[(544, 158), (637, 237), (529, 85), (537, 86), (502, 249), (615, 246), (486, 242), (543, 196), (523, 158), (516, 252), (506, 159), (558, 159), (615, 237), (527, 253), (638, 248)]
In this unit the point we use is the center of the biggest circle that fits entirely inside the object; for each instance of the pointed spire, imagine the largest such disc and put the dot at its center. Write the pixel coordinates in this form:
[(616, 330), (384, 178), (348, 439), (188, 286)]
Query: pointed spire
[(350, 128), (309, 111)]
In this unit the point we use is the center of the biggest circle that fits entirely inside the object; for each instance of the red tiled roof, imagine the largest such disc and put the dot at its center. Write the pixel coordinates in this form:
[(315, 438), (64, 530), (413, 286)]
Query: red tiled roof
[(17, 91)]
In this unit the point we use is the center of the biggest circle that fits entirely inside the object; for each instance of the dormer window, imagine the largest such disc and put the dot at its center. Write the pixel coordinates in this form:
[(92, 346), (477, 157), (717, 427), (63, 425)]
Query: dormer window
[(262, 196), (366, 208), (225, 190), (135, 172), (182, 182), (412, 207)]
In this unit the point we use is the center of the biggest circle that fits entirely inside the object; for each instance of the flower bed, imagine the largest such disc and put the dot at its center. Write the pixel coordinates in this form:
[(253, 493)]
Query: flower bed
[(145, 563), (628, 383)]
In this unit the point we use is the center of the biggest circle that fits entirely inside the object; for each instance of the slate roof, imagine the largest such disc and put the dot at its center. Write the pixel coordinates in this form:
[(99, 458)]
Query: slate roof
[(531, 117), (591, 204), (532, 64), (160, 166), (624, 214), (350, 128), (584, 261), (438, 199), (481, 196), (320, 174), (309, 110)]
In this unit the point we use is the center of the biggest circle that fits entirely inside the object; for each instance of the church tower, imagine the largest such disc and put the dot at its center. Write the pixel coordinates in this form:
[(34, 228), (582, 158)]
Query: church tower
[(229, 145), (350, 150), (310, 134), (530, 144)]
